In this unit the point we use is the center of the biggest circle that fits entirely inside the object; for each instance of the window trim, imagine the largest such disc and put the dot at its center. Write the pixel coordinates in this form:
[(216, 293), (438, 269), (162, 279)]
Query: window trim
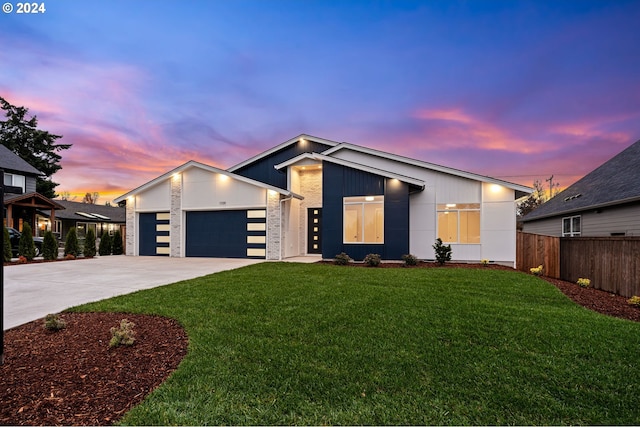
[(454, 207), (13, 176), (364, 200), (572, 233)]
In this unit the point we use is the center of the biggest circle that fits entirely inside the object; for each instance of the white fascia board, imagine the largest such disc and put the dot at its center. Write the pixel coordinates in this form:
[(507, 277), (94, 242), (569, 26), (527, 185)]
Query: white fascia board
[(353, 165), (427, 165), (193, 163), (280, 147)]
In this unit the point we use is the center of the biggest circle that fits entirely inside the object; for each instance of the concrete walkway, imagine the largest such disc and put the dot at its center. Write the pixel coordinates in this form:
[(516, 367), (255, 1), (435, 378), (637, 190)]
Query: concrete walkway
[(32, 291)]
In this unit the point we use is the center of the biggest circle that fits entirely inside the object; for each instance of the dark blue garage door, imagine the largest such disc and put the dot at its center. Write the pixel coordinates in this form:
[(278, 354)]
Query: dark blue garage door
[(154, 233), (226, 234)]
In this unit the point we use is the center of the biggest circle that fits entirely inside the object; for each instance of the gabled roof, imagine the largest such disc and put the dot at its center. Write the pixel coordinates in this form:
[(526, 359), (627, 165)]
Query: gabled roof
[(615, 182), (283, 146), (321, 157), (36, 200), (11, 162), (193, 163), (90, 212), (523, 190)]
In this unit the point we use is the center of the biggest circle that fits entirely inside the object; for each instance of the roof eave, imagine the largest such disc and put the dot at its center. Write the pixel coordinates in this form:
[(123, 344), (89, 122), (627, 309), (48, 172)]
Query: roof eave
[(582, 209)]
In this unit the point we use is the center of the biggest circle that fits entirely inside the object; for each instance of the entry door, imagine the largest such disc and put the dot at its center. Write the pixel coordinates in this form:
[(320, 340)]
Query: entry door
[(314, 230)]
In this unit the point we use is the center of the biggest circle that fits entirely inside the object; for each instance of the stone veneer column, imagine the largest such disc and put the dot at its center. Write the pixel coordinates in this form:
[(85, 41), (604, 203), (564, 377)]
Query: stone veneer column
[(175, 215), (311, 189), (130, 233), (274, 226)]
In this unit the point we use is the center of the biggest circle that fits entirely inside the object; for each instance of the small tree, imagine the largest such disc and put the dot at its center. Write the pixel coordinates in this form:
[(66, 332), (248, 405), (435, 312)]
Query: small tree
[(49, 247), (71, 243), (8, 253), (117, 243), (89, 250), (26, 247), (105, 244), (443, 252)]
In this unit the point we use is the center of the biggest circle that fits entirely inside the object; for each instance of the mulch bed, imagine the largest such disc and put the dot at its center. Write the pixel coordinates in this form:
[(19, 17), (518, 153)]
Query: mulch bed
[(71, 377)]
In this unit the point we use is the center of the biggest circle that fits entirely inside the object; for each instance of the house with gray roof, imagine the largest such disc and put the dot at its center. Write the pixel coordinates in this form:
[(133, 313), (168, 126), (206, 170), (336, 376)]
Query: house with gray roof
[(605, 202), (85, 216)]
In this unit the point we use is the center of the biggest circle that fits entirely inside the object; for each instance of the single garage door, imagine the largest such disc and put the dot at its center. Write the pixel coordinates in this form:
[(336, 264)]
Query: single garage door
[(226, 234), (154, 233)]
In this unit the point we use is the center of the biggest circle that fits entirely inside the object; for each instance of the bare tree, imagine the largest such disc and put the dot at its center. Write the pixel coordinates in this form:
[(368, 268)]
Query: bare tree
[(91, 198), (65, 195)]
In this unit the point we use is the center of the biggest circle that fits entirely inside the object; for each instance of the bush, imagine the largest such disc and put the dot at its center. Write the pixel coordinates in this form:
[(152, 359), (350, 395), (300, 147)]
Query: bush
[(443, 252), (49, 246), (89, 249), (372, 260), (117, 243), (634, 300), (484, 262), (123, 334), (71, 243), (410, 259), (105, 244), (53, 322), (537, 271), (584, 283), (8, 254), (342, 259), (26, 247)]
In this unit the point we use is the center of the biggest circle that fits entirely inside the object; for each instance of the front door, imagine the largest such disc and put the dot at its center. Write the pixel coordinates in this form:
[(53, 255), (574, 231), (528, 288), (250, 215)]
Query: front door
[(314, 230)]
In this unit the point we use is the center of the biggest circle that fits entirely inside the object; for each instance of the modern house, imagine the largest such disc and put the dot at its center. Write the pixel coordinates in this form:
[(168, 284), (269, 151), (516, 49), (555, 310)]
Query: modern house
[(85, 216), (21, 201), (310, 195), (605, 202)]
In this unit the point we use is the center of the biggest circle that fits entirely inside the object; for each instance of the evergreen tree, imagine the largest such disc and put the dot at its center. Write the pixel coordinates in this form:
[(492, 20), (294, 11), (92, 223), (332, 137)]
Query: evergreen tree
[(443, 252), (89, 250), (8, 254), (117, 243), (71, 243), (20, 134), (26, 247), (105, 244), (49, 247)]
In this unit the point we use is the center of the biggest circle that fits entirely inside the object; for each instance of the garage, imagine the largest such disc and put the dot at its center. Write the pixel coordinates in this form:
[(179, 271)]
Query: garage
[(226, 233)]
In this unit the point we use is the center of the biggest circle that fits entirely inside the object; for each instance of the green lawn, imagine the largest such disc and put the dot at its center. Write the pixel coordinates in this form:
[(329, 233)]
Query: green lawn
[(281, 343)]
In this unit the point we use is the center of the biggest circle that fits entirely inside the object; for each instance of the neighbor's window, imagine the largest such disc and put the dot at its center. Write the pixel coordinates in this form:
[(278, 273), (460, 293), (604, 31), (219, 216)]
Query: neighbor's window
[(83, 227), (571, 226), (364, 219), (15, 181), (459, 222)]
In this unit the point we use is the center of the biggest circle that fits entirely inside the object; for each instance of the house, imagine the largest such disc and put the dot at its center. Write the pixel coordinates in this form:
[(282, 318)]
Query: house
[(85, 216), (21, 201), (310, 195), (605, 202)]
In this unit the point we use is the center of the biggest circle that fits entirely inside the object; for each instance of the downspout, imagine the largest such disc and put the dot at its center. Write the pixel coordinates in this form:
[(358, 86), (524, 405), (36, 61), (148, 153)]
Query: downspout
[(281, 227)]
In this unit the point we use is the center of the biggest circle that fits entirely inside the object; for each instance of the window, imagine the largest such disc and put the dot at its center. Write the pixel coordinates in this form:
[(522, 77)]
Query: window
[(571, 226), (364, 219), (15, 181), (459, 222), (83, 227)]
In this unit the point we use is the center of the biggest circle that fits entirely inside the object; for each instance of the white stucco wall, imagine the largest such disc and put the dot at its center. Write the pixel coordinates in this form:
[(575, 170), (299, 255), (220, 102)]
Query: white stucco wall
[(205, 190)]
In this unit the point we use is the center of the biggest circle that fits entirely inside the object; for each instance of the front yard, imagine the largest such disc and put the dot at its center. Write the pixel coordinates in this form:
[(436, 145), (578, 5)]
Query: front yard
[(279, 343)]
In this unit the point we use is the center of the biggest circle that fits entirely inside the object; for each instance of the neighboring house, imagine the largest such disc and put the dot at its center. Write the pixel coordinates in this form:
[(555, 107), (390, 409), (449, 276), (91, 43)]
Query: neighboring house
[(310, 195), (21, 201), (85, 216), (605, 202)]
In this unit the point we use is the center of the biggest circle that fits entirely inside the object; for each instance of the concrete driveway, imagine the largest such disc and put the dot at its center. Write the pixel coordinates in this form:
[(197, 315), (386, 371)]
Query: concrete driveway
[(32, 291)]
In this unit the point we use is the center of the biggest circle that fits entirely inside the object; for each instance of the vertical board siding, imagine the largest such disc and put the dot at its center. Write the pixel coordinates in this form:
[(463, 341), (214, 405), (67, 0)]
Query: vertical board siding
[(611, 263)]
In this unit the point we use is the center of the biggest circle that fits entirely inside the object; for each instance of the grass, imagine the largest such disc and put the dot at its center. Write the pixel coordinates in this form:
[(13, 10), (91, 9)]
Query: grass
[(280, 343)]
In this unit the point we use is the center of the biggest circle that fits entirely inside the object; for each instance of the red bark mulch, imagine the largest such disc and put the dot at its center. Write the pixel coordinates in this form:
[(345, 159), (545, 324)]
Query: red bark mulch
[(72, 377)]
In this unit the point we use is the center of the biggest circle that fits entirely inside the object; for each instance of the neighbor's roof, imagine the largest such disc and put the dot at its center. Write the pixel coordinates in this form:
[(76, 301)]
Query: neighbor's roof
[(90, 212), (615, 182), (10, 161)]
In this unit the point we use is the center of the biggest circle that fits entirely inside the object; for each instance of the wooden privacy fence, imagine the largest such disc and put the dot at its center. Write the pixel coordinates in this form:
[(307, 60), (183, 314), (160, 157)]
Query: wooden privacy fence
[(611, 263)]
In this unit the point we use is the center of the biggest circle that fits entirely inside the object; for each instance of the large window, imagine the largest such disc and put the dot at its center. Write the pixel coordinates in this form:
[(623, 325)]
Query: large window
[(459, 222), (571, 226), (364, 219), (15, 181)]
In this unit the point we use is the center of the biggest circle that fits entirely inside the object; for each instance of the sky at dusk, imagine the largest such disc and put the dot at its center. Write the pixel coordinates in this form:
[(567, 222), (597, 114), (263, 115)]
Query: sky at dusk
[(514, 90)]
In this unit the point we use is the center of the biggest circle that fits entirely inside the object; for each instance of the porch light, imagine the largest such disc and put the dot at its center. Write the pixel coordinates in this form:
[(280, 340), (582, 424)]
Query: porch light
[(495, 188)]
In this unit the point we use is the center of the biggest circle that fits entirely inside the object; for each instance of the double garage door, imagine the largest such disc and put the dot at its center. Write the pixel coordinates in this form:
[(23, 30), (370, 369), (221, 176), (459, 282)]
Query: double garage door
[(219, 234)]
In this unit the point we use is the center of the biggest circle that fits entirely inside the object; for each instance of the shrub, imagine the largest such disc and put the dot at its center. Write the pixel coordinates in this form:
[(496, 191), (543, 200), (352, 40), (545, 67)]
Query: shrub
[(372, 260), (69, 257), (105, 244), (26, 247), (537, 271), (342, 259), (71, 243), (117, 243), (53, 322), (443, 252), (49, 247), (123, 334), (22, 260), (89, 249), (410, 259), (484, 262), (634, 300), (584, 283), (8, 254)]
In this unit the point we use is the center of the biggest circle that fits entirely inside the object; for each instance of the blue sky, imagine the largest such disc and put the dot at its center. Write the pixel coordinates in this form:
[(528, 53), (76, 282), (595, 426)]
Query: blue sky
[(515, 90)]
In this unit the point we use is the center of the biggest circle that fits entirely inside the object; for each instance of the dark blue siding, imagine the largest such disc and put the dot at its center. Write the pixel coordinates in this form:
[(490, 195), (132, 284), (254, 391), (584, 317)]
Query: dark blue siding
[(263, 170), (338, 182)]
